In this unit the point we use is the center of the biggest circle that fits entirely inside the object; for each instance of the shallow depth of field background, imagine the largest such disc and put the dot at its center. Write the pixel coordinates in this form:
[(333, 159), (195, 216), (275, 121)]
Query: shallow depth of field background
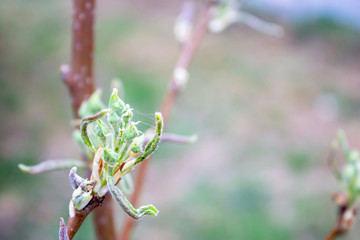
[(265, 110)]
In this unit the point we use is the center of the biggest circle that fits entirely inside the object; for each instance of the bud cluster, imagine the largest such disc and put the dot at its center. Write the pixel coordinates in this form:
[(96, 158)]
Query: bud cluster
[(118, 146), (350, 175)]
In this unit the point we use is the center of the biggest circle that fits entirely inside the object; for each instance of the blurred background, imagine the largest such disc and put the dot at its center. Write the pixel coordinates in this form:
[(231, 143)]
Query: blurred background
[(265, 109)]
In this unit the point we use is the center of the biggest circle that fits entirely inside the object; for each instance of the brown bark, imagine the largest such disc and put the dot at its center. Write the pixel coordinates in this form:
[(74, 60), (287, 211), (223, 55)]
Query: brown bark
[(75, 222), (79, 79), (104, 223), (183, 61), (345, 217)]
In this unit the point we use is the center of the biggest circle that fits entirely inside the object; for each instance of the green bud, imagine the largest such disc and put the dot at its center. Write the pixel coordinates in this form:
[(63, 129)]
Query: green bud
[(137, 145), (114, 118), (84, 127), (119, 140), (110, 156), (81, 198), (128, 115), (116, 122), (101, 130), (131, 132), (116, 103), (92, 105), (136, 149)]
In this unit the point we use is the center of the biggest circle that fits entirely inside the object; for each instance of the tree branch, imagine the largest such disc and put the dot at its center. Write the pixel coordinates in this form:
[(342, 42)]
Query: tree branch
[(345, 217), (175, 87), (75, 222), (79, 79), (104, 222)]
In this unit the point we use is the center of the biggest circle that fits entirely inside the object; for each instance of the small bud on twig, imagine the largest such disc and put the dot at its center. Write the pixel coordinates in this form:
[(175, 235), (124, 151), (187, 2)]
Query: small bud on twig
[(63, 230), (64, 72), (75, 180), (183, 24), (180, 79)]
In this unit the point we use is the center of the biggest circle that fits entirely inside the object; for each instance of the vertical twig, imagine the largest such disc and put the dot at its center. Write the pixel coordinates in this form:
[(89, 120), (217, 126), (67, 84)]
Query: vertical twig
[(183, 62), (103, 217), (79, 79)]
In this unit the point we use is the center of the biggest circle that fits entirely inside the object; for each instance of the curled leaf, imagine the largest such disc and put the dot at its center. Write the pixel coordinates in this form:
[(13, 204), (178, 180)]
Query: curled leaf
[(153, 143), (51, 165), (126, 205)]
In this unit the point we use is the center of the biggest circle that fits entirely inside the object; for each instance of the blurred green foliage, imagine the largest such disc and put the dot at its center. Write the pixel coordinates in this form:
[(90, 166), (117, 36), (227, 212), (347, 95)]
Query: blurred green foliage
[(299, 159), (241, 212)]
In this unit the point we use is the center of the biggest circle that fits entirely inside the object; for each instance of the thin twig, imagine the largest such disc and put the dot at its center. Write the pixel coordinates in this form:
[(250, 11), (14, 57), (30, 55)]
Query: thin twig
[(345, 217), (175, 138), (337, 230), (79, 79), (75, 222), (183, 62)]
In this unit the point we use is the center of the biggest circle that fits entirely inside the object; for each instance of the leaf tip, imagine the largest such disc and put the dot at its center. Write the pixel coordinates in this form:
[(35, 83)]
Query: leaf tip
[(24, 168)]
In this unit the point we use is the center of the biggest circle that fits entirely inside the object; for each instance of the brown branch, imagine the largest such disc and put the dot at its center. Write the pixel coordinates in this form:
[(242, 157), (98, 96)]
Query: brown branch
[(104, 224), (79, 79), (183, 62), (75, 222), (345, 217)]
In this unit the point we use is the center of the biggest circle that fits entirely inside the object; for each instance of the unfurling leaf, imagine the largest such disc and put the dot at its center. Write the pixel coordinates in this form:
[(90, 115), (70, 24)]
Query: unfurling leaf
[(51, 165), (126, 205)]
